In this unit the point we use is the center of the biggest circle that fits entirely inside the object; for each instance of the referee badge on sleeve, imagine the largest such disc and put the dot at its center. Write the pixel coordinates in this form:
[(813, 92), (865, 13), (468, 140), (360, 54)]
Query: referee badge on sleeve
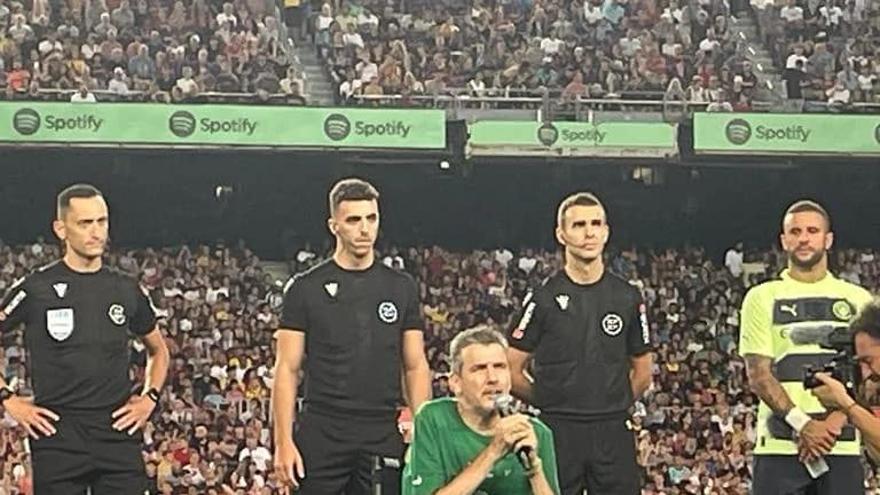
[(59, 323)]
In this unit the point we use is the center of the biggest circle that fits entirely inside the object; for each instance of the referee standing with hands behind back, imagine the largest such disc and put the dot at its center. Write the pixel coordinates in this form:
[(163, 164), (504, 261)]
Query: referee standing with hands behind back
[(588, 333), (359, 324), (78, 315)]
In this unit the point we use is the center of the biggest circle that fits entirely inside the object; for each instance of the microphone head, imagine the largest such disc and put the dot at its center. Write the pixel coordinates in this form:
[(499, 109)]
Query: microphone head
[(503, 403)]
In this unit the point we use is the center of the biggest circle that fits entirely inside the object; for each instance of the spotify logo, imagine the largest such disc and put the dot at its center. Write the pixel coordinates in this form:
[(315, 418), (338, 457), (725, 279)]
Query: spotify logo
[(548, 134), (738, 131), (337, 127), (26, 121), (182, 124)]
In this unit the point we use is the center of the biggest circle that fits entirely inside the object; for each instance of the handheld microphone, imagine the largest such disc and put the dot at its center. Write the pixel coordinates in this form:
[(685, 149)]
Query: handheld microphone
[(504, 404)]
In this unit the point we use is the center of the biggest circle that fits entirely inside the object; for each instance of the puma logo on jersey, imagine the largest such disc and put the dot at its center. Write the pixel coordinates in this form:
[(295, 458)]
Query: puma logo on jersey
[(790, 309)]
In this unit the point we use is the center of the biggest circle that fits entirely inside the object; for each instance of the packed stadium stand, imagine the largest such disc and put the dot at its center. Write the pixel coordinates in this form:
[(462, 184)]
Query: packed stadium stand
[(199, 51), (729, 54)]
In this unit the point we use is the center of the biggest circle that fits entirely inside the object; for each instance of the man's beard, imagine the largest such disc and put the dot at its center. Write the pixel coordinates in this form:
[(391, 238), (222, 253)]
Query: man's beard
[(809, 262)]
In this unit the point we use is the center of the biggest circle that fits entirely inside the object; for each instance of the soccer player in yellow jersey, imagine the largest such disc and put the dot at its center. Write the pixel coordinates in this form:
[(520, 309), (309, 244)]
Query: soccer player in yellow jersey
[(800, 447)]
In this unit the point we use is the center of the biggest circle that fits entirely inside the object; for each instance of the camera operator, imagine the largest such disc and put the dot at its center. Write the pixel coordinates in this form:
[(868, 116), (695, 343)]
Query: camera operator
[(833, 394)]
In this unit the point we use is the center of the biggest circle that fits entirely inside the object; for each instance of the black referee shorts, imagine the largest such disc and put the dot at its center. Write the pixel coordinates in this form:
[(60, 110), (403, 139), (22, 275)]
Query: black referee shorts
[(338, 453), (785, 475), (86, 452), (599, 456)]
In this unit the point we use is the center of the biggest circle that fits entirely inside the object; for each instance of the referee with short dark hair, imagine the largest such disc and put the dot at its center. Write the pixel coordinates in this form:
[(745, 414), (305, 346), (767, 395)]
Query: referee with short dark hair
[(360, 326), (588, 334), (79, 317)]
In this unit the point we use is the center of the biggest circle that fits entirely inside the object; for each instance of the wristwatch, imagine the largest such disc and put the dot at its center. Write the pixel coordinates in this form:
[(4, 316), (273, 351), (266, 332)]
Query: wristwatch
[(5, 393), (153, 394)]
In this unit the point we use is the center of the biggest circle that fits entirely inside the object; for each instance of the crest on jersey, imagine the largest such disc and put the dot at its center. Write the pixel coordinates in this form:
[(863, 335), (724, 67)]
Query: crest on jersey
[(59, 323), (842, 310), (332, 288), (612, 324), (562, 301), (388, 312), (117, 314), (60, 289)]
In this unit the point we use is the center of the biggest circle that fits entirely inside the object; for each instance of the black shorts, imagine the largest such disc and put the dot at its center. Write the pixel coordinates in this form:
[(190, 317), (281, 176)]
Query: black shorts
[(86, 452), (785, 475), (339, 453), (599, 456)]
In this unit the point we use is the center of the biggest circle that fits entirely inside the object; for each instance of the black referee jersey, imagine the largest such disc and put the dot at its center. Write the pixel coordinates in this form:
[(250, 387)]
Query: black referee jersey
[(582, 338), (353, 322), (77, 328)]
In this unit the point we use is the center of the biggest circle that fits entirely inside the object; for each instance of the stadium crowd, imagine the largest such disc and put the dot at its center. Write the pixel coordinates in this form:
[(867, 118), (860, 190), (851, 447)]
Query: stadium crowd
[(829, 50), (142, 50), (695, 428), (590, 48)]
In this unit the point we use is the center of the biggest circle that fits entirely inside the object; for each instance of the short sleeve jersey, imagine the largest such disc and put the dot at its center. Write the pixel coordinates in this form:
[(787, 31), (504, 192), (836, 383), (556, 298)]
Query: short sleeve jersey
[(582, 338), (78, 328), (770, 311), (353, 323)]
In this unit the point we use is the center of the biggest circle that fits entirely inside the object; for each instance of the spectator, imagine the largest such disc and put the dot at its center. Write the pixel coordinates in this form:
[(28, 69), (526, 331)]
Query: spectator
[(849, 78), (575, 88), (142, 68), (119, 83), (292, 84), (838, 95), (720, 104), (820, 61), (186, 87), (123, 17), (867, 83), (795, 80), (791, 61), (733, 260), (793, 15), (104, 27), (696, 93), (227, 16), (20, 31)]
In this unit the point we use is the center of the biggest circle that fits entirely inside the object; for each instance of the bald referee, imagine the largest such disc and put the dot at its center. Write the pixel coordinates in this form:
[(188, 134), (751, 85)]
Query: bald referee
[(587, 331), (79, 317), (357, 325)]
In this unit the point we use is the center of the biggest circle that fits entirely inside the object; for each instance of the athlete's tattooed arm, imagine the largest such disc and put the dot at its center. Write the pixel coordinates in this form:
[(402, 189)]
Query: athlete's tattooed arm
[(766, 386)]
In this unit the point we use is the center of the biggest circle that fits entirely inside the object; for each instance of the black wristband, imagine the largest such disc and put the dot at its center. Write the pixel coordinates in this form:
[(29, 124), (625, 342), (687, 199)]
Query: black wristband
[(153, 395)]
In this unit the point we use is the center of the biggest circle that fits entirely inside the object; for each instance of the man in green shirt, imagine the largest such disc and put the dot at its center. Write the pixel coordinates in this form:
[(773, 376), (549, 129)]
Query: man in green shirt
[(800, 447), (463, 445)]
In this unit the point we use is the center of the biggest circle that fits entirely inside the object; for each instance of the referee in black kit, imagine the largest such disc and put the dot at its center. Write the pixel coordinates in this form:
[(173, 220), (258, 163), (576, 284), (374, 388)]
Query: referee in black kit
[(359, 324), (588, 333), (78, 318)]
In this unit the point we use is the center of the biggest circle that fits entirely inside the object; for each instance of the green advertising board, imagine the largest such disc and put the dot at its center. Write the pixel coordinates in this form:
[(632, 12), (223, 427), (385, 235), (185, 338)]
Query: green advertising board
[(606, 139), (798, 134), (220, 125)]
